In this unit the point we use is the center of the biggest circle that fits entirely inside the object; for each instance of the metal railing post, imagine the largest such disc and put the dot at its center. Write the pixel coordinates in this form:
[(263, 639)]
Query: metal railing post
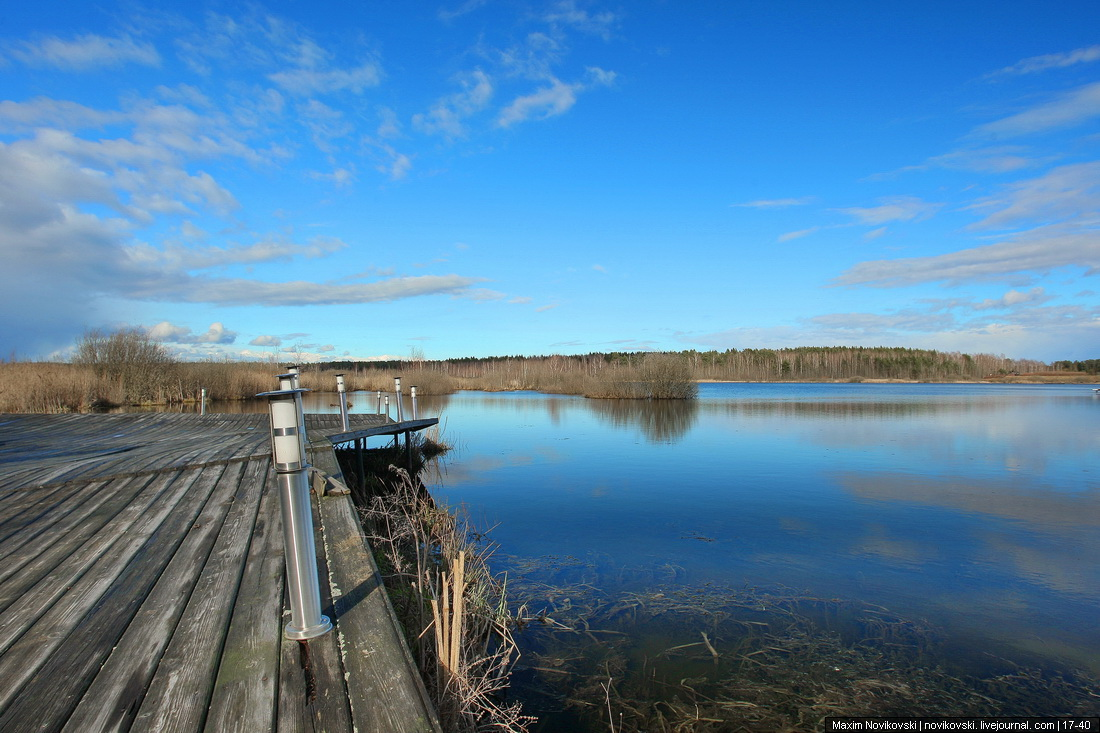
[(342, 391), (303, 586)]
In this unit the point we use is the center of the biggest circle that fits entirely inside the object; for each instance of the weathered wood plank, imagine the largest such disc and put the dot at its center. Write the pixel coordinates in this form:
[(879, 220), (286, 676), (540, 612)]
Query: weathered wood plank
[(29, 556), (244, 695), (112, 700), (179, 694), (37, 586), (377, 660), (113, 582)]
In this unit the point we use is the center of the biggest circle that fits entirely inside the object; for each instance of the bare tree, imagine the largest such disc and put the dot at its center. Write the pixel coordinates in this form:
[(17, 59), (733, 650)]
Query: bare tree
[(141, 367)]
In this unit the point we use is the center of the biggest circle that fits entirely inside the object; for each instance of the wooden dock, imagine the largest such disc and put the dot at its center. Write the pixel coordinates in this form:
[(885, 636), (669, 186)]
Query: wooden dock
[(142, 584)]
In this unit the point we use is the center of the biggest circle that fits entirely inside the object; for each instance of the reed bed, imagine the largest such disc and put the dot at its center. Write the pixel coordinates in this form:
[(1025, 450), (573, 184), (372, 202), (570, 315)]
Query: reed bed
[(452, 606), (665, 657)]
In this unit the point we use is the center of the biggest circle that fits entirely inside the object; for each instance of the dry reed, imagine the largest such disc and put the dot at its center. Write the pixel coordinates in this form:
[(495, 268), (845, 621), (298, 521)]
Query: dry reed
[(452, 606)]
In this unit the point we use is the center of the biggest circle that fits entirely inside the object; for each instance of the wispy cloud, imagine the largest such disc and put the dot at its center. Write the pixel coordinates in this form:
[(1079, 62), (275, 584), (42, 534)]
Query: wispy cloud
[(1049, 61), (567, 13), (306, 82), (1068, 109), (552, 100), (1065, 193), (88, 52), (776, 203), (797, 235), (448, 114), (897, 208), (1037, 251)]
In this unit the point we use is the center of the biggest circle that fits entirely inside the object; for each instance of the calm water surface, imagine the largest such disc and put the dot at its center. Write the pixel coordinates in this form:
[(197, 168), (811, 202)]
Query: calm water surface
[(976, 507)]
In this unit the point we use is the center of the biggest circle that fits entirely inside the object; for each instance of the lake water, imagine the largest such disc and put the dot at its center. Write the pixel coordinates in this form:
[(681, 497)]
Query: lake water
[(972, 510)]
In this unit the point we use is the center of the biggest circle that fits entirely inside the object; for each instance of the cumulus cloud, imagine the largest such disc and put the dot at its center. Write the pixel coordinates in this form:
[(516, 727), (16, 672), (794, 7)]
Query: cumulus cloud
[(88, 52), (266, 340), (169, 333)]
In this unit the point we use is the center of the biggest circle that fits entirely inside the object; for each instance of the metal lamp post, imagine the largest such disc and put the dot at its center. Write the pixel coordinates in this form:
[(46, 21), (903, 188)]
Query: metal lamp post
[(289, 457), (397, 396), (342, 390)]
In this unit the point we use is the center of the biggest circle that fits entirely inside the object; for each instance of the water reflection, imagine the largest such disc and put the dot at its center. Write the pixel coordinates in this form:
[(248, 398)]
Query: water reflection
[(976, 508), (661, 421)]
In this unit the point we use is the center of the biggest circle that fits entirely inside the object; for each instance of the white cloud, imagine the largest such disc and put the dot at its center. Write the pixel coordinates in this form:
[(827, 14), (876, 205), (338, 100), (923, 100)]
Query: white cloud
[(169, 333), (897, 208), (448, 114), (266, 340), (88, 52), (1066, 110), (776, 203), (1015, 299), (1036, 251), (1064, 193), (556, 99), (305, 82), (797, 235), (1049, 61), (567, 13)]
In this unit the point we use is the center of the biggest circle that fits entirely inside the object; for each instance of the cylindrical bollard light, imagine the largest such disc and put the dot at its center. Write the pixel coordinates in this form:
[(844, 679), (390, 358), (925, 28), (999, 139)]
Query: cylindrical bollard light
[(387, 405), (288, 382), (342, 392), (202, 402), (303, 586), (412, 398), (397, 396), (379, 408), (295, 372)]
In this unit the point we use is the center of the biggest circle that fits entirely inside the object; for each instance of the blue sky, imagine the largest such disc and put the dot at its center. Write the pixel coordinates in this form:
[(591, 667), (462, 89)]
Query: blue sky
[(497, 177)]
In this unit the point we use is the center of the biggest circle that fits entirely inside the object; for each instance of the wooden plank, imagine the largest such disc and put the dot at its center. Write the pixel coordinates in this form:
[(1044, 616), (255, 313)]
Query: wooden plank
[(112, 700), (32, 552), (244, 694), (113, 582), (38, 585), (179, 694), (378, 662)]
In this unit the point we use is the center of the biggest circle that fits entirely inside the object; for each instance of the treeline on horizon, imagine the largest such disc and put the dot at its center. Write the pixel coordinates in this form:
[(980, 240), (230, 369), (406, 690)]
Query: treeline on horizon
[(803, 363), (128, 368)]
